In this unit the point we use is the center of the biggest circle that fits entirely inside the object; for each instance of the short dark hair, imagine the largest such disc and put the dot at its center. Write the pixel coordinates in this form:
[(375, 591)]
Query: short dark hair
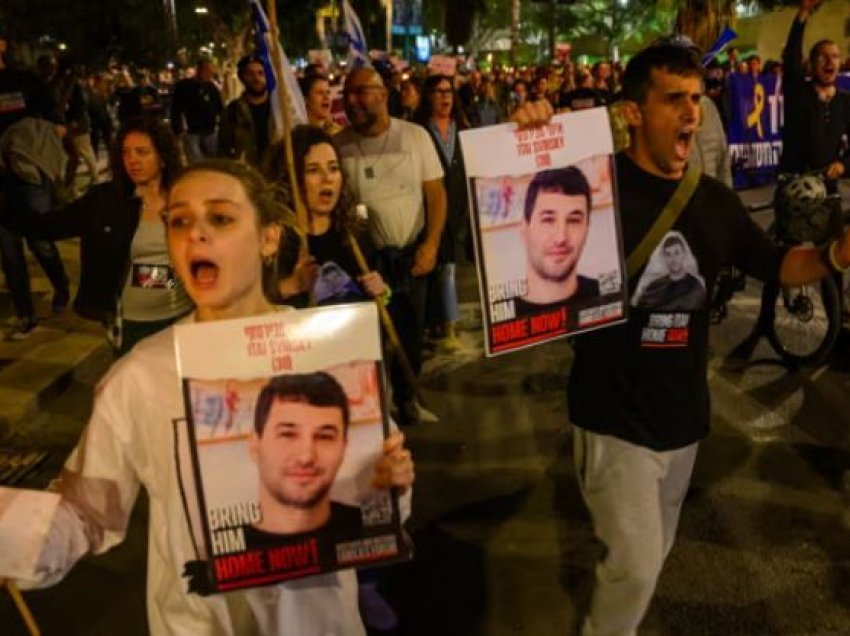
[(673, 58), (672, 240), (243, 63), (306, 83), (568, 180), (816, 47), (316, 389)]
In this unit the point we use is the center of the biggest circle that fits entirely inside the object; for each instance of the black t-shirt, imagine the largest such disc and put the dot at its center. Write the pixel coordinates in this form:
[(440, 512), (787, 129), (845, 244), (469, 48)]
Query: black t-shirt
[(338, 269), (345, 524), (645, 381), (260, 113), (588, 289), (22, 94), (582, 98), (200, 104)]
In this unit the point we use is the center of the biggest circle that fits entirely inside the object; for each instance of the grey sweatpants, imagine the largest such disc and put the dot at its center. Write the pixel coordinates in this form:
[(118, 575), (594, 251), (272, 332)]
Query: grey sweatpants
[(634, 495)]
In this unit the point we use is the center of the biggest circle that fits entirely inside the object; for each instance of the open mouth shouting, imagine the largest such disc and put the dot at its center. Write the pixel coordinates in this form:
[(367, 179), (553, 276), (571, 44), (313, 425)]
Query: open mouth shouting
[(683, 143), (204, 273), (327, 196)]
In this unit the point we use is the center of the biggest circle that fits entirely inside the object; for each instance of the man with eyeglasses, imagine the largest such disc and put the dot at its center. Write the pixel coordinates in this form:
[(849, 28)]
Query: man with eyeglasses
[(817, 112), (393, 168)]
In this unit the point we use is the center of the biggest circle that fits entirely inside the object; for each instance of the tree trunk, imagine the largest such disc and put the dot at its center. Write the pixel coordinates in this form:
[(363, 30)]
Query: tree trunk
[(515, 7), (703, 20)]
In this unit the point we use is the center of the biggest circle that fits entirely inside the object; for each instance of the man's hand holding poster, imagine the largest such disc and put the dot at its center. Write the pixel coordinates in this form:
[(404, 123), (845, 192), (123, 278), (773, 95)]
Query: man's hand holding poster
[(285, 423), (546, 230)]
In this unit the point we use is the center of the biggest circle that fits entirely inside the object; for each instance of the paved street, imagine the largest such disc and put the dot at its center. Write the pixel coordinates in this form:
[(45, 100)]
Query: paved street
[(504, 545)]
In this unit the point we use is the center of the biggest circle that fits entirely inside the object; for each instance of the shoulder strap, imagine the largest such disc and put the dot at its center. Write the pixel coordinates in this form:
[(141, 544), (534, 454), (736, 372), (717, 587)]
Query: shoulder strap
[(665, 220)]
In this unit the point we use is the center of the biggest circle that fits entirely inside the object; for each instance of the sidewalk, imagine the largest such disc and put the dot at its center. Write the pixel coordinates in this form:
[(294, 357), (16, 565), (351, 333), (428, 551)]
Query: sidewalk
[(61, 349)]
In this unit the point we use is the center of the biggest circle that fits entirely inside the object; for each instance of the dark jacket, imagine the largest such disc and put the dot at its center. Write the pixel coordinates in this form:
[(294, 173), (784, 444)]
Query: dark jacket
[(456, 230), (105, 220), (813, 133), (237, 137), (199, 103)]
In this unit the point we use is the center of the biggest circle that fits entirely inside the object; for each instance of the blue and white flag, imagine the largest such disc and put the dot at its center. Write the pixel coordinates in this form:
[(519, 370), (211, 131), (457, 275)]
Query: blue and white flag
[(264, 42), (717, 48), (358, 52)]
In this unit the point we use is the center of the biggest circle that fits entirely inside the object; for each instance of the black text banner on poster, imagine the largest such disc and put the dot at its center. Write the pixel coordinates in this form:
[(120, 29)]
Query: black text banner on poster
[(547, 233)]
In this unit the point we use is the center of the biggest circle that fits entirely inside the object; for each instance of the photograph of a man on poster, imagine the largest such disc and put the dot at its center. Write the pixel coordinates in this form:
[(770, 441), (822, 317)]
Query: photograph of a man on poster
[(298, 444), (556, 221)]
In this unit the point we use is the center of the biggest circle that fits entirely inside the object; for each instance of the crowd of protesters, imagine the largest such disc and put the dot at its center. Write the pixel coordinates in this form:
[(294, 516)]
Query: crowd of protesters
[(386, 140), (227, 112)]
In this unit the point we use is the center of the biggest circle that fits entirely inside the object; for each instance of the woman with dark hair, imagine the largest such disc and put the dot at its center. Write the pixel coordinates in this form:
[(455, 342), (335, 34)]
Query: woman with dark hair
[(330, 272), (411, 95), (440, 113), (126, 280)]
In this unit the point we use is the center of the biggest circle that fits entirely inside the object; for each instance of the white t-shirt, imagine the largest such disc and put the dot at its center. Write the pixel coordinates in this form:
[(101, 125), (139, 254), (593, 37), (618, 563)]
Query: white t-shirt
[(386, 173)]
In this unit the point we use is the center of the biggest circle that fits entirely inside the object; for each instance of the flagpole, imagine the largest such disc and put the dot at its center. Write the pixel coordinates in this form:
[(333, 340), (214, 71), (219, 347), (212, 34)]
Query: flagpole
[(389, 326), (23, 610), (283, 98)]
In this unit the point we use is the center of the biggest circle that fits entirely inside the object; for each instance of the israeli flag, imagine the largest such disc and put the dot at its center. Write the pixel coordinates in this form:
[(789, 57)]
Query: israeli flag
[(264, 42), (358, 52), (717, 48)]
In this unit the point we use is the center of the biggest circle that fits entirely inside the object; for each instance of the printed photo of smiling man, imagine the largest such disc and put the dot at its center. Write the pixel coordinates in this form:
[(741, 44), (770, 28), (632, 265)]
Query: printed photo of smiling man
[(298, 444), (554, 230)]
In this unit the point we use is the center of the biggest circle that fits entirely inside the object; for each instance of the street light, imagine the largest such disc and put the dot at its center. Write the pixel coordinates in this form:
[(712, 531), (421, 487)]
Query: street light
[(201, 10)]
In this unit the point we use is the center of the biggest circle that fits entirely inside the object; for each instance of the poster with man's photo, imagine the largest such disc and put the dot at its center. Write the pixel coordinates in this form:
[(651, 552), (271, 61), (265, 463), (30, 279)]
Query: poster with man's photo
[(547, 235), (285, 421)]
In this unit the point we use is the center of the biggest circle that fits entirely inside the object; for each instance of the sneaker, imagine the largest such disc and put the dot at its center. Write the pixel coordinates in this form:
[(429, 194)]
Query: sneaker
[(22, 330), (60, 302), (450, 344)]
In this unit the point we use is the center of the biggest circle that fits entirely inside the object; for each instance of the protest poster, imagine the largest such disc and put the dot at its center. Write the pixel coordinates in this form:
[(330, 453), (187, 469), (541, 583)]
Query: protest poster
[(755, 128), (285, 420), (755, 122), (546, 231), (443, 65)]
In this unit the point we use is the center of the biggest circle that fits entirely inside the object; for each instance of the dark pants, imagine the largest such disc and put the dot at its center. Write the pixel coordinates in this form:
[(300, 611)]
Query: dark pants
[(20, 200), (101, 129), (407, 309)]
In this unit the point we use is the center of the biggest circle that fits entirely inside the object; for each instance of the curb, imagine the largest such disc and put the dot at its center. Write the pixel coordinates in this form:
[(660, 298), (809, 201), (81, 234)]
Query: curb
[(42, 370)]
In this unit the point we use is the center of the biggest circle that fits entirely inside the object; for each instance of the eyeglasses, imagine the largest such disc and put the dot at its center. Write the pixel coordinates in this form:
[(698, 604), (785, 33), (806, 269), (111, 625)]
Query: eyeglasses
[(441, 91)]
